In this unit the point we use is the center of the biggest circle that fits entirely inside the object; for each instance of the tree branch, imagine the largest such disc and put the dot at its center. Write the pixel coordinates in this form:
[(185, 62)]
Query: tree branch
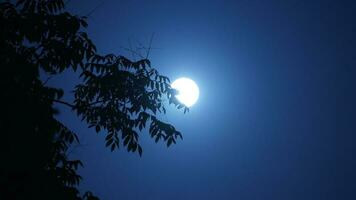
[(149, 46), (64, 103), (74, 106)]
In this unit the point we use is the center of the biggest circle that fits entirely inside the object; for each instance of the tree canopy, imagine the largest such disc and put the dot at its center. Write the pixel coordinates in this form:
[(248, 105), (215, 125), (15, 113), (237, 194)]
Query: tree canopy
[(117, 96)]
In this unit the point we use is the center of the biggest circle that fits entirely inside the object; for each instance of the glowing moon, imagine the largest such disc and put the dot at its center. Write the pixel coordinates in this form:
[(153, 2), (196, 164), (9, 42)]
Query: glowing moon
[(188, 91)]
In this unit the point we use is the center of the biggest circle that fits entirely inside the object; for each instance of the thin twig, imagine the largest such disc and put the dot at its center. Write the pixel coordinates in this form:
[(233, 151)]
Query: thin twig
[(74, 106), (149, 46), (45, 82), (133, 53), (74, 147), (64, 103), (95, 8)]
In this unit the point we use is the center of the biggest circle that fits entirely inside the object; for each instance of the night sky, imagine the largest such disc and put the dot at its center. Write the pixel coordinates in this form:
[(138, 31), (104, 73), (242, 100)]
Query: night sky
[(276, 117)]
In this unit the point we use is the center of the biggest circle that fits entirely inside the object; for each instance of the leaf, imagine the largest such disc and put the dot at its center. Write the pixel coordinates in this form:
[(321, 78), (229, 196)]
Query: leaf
[(109, 142), (109, 136), (134, 147), (112, 147), (139, 150), (157, 138), (127, 139), (169, 142), (97, 128)]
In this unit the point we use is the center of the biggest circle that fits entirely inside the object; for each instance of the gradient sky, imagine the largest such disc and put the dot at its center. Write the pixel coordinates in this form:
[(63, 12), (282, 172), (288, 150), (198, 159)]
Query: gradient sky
[(276, 118)]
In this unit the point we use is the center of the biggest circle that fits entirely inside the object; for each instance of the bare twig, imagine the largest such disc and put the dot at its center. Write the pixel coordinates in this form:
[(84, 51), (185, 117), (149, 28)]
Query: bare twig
[(74, 106), (133, 53), (150, 45), (45, 82), (141, 49), (74, 148), (64, 103), (95, 8)]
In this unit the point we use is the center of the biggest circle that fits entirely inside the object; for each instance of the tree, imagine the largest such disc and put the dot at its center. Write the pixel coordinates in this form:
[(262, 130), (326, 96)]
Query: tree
[(117, 96)]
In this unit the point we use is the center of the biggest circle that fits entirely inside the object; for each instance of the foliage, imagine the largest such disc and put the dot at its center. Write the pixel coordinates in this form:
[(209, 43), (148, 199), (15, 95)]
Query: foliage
[(117, 96)]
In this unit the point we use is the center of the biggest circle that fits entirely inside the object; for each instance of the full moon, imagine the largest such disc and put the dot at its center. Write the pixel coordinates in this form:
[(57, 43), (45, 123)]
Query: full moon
[(188, 91)]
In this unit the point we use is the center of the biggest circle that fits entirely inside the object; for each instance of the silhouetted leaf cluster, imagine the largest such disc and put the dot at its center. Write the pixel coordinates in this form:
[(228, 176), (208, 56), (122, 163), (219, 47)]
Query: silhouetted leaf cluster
[(121, 97)]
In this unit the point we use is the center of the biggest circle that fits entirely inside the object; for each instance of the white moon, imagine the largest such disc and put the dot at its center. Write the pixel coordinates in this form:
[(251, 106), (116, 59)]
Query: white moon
[(188, 91)]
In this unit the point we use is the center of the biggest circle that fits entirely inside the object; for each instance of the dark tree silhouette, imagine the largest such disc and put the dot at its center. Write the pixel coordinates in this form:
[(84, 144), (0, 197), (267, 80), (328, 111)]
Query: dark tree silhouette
[(117, 96)]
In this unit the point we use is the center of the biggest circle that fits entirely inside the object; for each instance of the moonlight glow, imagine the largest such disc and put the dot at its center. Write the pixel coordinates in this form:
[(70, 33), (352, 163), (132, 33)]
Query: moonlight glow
[(188, 91)]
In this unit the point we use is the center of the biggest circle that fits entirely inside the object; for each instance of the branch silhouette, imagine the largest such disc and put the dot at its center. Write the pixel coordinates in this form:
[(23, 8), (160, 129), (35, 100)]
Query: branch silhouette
[(116, 96)]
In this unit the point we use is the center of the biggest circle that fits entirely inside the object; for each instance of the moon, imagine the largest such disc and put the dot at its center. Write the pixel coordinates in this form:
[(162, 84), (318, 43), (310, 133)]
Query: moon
[(188, 91)]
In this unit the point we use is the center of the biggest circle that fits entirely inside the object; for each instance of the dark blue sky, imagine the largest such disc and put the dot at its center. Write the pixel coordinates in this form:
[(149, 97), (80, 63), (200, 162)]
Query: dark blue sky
[(276, 118)]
